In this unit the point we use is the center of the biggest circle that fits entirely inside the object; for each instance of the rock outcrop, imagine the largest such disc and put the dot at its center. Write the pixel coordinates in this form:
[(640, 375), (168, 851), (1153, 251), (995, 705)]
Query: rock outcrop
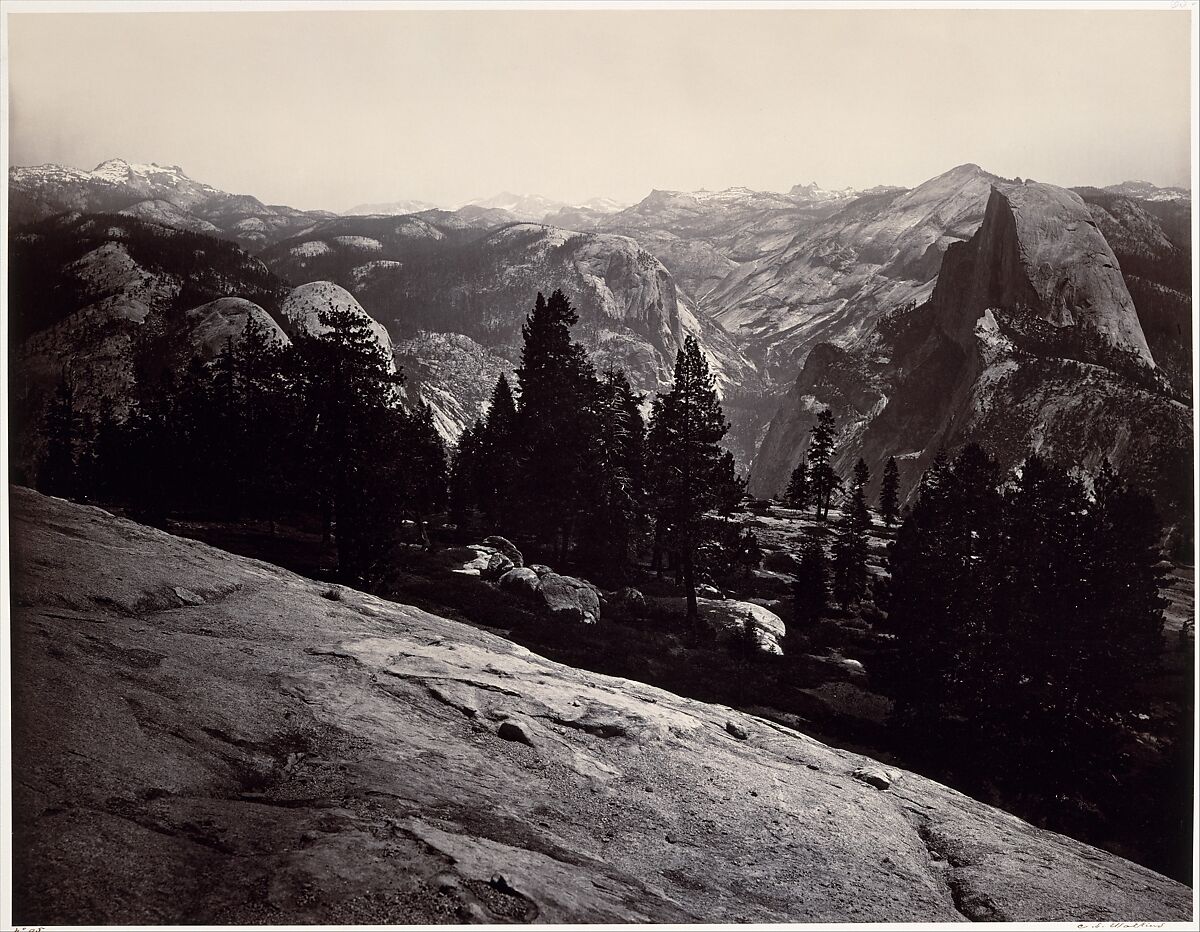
[(82, 287), (568, 598), (205, 738), (305, 308), (223, 322)]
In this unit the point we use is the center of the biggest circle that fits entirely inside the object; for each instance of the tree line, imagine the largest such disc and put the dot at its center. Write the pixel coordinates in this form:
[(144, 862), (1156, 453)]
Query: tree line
[(262, 431), (1026, 611), (563, 460)]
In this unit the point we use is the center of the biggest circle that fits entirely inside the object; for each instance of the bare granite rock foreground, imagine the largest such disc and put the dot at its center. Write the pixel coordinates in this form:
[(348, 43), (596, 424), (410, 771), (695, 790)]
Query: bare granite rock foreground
[(200, 737)]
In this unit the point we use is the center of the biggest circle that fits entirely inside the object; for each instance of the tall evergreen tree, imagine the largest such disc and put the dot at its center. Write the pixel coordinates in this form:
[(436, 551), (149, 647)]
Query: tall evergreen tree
[(612, 518), (823, 481), (686, 463), (889, 492), (944, 577), (350, 394), (58, 469), (424, 474), (797, 494), (558, 386), (499, 458), (810, 591), (862, 474), (850, 550), (464, 473)]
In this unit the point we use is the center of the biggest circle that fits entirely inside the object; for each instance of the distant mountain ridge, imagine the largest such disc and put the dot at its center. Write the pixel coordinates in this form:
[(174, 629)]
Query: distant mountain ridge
[(781, 288), (162, 194)]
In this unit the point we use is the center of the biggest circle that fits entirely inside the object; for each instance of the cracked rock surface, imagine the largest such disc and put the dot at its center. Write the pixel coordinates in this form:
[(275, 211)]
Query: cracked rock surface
[(201, 737)]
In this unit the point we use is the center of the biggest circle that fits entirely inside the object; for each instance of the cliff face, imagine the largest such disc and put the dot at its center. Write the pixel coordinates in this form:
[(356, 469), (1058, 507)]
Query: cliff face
[(1040, 254), (1030, 342), (204, 738), (832, 282)]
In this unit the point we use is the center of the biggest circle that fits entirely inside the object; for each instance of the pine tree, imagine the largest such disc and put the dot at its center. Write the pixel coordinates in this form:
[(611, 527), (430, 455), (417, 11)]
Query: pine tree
[(58, 469), (862, 474), (850, 550), (558, 387), (499, 462), (464, 473), (797, 494), (264, 474), (730, 487), (750, 553), (823, 481), (612, 517), (944, 573), (350, 394), (423, 469), (686, 463), (889, 492), (810, 591)]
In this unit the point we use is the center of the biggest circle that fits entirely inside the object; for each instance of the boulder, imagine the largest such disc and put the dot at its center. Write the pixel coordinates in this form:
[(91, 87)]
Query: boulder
[(709, 592), (497, 565), (472, 560), (878, 777), (515, 729), (730, 618), (520, 580), (505, 546), (627, 603), (570, 598), (780, 561), (541, 569)]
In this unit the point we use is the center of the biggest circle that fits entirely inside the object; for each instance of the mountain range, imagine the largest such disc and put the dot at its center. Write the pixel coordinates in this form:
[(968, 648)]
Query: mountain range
[(923, 316)]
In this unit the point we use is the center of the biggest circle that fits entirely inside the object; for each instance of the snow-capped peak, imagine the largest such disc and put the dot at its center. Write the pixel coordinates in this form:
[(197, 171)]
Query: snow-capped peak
[(119, 170)]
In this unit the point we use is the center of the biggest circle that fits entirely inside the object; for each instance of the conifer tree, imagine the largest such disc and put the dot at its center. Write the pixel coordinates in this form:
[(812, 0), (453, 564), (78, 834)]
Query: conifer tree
[(423, 469), (499, 461), (810, 591), (730, 487), (850, 550), (944, 572), (464, 472), (862, 474), (58, 469), (612, 517), (686, 463), (558, 386), (889, 492), (823, 481), (350, 394), (264, 473), (797, 494)]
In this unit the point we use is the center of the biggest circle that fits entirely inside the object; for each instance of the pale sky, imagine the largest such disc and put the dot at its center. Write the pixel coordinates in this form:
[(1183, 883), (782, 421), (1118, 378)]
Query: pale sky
[(328, 110)]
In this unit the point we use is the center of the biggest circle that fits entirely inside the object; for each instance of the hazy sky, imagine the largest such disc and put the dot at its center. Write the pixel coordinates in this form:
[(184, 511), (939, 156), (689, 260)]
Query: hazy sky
[(327, 110)]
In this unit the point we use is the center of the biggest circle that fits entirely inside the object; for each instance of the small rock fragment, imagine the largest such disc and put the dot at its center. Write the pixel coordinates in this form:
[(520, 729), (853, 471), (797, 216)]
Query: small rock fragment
[(187, 597), (737, 731), (874, 776), (513, 730)]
